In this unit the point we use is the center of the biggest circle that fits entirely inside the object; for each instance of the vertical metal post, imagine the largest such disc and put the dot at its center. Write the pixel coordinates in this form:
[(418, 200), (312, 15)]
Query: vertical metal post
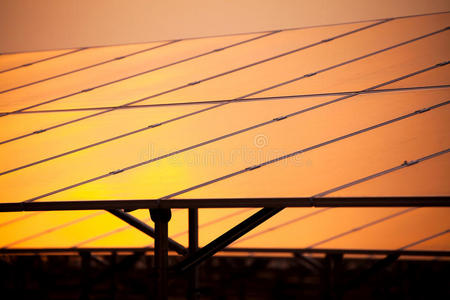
[(113, 274), (338, 268), (193, 246), (331, 278), (85, 270), (161, 218)]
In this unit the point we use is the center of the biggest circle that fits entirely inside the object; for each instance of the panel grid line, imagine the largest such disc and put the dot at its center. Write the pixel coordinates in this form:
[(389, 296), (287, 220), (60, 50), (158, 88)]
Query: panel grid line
[(241, 100), (42, 60)]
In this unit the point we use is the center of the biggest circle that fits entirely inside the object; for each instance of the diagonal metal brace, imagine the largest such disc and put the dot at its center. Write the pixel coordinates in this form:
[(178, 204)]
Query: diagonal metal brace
[(227, 238), (138, 224)]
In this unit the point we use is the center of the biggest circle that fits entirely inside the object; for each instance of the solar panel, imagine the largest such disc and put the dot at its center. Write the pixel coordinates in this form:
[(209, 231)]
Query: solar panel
[(283, 118)]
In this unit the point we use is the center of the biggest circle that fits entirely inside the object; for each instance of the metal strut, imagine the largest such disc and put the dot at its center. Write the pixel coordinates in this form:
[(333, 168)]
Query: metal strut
[(193, 247), (138, 224), (227, 238), (161, 218)]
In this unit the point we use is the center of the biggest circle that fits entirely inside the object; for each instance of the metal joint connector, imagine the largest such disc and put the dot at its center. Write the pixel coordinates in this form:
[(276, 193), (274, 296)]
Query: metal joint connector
[(310, 74), (87, 90), (409, 163), (116, 172), (442, 63), (194, 82), (252, 167), (419, 111), (39, 131), (154, 125), (280, 118)]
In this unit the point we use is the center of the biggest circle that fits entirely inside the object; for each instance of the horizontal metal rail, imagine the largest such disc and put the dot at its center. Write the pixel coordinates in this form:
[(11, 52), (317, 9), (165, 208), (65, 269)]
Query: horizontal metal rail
[(268, 251), (131, 204)]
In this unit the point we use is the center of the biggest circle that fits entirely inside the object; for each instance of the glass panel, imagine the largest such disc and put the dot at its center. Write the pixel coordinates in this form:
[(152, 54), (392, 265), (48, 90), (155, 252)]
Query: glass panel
[(74, 136), (63, 229), (66, 63), (35, 225), (11, 217), (322, 56), (8, 61), (439, 76), (342, 162), (107, 72), (317, 170), (20, 124), (303, 175), (126, 151), (398, 232), (303, 227), (434, 172), (378, 69), (438, 243), (203, 67)]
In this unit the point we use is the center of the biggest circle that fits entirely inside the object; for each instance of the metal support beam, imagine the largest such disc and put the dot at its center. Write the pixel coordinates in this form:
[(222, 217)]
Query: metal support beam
[(161, 218), (132, 204), (227, 238), (138, 224), (193, 247)]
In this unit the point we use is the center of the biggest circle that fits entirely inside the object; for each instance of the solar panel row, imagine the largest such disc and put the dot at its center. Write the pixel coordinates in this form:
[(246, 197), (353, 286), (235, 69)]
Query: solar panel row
[(344, 106)]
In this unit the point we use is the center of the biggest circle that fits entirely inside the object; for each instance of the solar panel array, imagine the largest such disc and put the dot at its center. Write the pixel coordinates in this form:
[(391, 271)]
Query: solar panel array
[(333, 111)]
